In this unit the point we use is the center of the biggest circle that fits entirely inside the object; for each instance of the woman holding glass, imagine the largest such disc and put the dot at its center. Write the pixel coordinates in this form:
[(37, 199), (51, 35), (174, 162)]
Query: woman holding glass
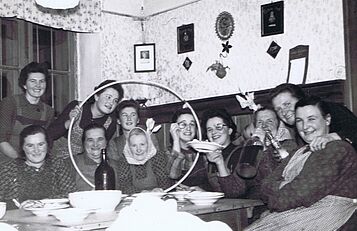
[(314, 190)]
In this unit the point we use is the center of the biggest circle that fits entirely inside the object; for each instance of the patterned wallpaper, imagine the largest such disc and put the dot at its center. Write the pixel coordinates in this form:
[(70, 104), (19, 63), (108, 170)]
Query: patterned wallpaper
[(317, 23)]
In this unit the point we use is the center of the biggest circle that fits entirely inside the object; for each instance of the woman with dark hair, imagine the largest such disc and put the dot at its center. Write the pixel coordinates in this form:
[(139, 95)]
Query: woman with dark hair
[(183, 129), (219, 127), (313, 190), (343, 121), (128, 117), (35, 174), (99, 109), (19, 111)]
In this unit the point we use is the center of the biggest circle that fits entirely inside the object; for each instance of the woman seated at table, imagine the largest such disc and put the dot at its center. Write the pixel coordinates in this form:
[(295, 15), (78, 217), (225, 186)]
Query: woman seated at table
[(128, 117), (98, 109), (19, 111), (36, 174), (219, 127), (312, 190), (143, 167), (183, 129)]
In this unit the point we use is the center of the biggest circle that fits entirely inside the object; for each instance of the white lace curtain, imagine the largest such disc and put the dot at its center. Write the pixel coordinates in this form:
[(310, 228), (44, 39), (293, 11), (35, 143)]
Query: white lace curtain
[(86, 17)]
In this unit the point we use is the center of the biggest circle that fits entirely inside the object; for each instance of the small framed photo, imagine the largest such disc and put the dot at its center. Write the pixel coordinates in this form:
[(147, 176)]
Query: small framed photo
[(144, 57), (272, 16), (185, 38)]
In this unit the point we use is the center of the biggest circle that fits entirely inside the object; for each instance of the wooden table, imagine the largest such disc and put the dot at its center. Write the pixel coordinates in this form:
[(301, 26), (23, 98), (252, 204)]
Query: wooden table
[(231, 211)]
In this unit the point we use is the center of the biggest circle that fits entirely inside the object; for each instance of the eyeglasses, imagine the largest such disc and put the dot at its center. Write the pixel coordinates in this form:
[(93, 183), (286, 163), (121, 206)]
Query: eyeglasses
[(218, 127), (182, 125)]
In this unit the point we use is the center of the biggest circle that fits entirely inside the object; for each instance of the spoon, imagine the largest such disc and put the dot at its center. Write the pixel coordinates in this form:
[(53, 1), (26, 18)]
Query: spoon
[(17, 203)]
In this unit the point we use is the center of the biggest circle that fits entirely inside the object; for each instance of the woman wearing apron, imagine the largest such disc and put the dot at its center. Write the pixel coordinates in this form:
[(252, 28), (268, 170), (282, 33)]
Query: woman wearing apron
[(99, 109), (20, 111), (143, 167)]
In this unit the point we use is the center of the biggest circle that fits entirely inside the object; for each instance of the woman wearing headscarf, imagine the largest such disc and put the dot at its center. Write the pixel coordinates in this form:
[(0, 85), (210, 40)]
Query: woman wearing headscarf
[(143, 167)]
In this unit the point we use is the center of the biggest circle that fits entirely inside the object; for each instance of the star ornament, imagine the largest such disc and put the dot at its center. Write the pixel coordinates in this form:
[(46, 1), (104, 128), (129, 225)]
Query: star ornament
[(226, 47)]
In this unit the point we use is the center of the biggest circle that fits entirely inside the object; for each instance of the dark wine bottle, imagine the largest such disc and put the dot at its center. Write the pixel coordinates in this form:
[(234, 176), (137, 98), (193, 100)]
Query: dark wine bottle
[(281, 153), (104, 177)]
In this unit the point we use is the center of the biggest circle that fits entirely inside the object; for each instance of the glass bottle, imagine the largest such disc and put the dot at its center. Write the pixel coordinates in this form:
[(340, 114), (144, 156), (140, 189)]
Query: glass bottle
[(104, 177), (247, 165), (281, 152)]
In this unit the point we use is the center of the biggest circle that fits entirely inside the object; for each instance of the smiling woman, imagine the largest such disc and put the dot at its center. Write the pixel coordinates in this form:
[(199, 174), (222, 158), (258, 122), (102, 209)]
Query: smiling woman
[(19, 111), (36, 175), (99, 109)]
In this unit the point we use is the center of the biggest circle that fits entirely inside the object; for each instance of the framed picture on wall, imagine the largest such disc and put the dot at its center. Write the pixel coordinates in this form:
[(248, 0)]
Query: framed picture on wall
[(144, 57), (272, 18), (185, 38)]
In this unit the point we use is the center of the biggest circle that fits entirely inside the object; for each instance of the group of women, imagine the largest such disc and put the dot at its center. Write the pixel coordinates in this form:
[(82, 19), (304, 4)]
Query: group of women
[(319, 170)]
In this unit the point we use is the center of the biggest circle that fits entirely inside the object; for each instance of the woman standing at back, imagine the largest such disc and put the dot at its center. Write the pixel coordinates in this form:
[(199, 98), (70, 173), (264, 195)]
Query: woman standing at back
[(19, 111)]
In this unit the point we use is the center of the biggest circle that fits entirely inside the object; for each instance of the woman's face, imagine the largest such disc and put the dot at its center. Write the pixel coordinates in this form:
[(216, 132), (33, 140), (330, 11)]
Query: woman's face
[(218, 131), (35, 148), (284, 105), (138, 145), (187, 127), (128, 118), (35, 85), (94, 142), (267, 120), (310, 123), (107, 101)]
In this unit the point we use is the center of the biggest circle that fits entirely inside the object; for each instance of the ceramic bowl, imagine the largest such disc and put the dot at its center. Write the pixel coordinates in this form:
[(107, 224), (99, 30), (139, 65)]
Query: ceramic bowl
[(70, 215), (100, 200), (204, 146), (180, 195), (2, 209)]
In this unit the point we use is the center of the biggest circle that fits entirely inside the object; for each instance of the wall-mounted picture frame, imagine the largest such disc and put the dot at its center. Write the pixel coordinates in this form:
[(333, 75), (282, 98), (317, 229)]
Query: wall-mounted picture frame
[(144, 57), (185, 38), (272, 18)]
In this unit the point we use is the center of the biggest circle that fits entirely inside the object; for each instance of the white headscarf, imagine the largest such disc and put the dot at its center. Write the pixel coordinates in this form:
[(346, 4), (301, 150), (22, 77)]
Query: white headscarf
[(149, 154)]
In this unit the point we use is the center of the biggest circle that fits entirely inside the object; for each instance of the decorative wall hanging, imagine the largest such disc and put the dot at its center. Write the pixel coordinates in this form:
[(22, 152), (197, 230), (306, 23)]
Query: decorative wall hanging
[(144, 57), (226, 47), (273, 49), (185, 38), (224, 25), (272, 18), (187, 63), (298, 63), (219, 69)]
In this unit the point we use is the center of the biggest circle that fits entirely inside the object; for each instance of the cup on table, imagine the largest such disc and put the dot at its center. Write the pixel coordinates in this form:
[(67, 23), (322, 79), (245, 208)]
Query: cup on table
[(2, 209)]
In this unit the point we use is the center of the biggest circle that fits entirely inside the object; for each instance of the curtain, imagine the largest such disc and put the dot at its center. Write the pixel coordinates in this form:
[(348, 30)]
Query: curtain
[(86, 17)]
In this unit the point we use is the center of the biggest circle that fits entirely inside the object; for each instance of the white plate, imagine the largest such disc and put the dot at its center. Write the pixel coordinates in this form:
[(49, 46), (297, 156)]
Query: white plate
[(204, 195), (155, 194), (71, 215), (204, 202), (180, 195), (204, 146), (45, 210), (55, 201)]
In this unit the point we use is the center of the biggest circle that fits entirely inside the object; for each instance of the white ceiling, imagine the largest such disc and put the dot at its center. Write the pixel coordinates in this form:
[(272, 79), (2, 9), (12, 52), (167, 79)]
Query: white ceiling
[(133, 7)]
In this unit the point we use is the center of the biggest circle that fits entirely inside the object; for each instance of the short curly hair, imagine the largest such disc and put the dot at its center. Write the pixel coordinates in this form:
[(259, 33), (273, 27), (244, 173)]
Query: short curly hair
[(32, 67), (224, 115)]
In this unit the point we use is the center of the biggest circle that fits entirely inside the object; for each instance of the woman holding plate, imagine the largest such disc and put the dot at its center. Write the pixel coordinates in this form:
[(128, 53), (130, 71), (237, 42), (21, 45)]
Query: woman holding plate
[(219, 127)]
